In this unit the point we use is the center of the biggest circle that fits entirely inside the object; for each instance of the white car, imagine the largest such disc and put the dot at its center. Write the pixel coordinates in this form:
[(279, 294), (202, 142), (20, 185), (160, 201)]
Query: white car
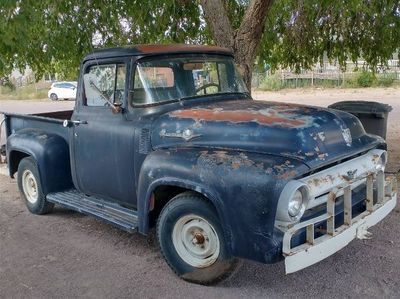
[(62, 90)]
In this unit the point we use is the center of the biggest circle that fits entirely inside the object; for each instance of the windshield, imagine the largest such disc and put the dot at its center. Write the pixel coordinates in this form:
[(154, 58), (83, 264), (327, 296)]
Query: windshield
[(171, 79)]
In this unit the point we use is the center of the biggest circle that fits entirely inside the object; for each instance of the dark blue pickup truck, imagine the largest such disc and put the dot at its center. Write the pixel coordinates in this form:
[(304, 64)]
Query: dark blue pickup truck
[(168, 136)]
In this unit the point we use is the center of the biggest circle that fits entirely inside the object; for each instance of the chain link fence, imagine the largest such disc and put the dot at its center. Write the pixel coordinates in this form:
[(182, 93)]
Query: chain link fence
[(328, 75)]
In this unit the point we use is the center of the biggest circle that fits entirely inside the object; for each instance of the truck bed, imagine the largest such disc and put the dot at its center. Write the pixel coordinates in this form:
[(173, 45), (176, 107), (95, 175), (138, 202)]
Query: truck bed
[(50, 122)]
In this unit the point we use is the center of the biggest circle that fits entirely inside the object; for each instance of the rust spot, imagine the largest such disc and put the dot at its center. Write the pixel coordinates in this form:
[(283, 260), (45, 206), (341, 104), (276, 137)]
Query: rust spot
[(317, 181), (263, 117), (232, 161), (152, 202), (322, 156), (332, 196), (287, 175), (151, 48), (375, 158)]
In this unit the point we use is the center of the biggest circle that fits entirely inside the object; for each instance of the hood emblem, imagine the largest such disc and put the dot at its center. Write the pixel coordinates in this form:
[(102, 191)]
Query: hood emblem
[(351, 174), (186, 135)]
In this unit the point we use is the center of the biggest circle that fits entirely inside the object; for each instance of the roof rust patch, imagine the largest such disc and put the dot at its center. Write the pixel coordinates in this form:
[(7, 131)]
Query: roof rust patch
[(153, 48), (269, 117)]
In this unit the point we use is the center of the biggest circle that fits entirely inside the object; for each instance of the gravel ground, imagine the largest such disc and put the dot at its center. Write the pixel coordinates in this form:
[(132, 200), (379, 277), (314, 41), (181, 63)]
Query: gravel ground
[(66, 254)]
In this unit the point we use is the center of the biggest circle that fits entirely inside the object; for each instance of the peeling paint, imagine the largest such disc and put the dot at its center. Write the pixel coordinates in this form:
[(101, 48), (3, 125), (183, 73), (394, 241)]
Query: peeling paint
[(268, 117), (319, 135)]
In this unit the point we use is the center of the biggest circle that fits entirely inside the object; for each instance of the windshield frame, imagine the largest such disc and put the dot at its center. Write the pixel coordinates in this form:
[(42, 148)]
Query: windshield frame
[(150, 58)]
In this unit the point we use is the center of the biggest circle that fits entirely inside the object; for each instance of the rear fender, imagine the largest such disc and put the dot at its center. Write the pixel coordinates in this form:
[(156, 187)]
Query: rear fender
[(51, 153)]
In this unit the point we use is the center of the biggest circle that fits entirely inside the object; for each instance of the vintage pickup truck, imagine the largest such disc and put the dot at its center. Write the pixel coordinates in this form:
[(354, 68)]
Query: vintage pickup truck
[(168, 136)]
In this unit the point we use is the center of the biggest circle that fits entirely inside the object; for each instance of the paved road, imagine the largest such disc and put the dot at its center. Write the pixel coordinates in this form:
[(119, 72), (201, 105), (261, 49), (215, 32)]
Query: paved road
[(66, 254)]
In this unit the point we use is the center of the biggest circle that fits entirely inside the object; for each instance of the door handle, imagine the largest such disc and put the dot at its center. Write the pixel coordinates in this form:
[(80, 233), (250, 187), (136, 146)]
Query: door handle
[(67, 122), (79, 122)]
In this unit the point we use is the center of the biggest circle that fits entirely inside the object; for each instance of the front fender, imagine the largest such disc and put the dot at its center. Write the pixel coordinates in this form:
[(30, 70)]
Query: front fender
[(50, 152), (244, 188)]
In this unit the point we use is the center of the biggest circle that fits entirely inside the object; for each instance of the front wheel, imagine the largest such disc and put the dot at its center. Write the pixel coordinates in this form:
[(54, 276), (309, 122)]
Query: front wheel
[(31, 188), (192, 241)]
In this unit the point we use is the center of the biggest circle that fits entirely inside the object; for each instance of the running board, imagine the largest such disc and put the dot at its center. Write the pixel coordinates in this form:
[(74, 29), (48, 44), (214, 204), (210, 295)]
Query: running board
[(112, 213)]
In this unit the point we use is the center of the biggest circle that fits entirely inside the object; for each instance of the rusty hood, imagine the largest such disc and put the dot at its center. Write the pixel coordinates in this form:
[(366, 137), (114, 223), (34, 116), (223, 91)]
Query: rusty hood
[(314, 135)]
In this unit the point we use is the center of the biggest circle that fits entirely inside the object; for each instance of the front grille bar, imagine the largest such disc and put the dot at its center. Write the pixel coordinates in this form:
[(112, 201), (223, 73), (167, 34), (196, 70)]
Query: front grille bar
[(385, 188)]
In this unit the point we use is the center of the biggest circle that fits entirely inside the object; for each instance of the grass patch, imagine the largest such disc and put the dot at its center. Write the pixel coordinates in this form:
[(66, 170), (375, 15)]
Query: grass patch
[(271, 82), (28, 92), (353, 80)]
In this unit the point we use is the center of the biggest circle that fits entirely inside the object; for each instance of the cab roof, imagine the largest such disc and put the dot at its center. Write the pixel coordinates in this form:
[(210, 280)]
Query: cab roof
[(153, 49)]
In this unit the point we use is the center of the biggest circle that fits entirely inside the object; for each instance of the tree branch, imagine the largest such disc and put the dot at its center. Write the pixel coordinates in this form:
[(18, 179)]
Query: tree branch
[(218, 21), (252, 26)]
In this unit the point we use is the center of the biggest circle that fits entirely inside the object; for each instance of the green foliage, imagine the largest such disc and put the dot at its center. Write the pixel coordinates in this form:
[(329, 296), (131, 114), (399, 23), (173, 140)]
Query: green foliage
[(386, 80), (301, 33), (271, 82), (8, 86), (366, 79), (53, 36)]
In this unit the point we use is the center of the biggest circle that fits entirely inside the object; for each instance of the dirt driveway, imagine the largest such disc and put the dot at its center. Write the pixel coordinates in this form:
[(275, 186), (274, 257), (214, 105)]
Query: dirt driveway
[(66, 254)]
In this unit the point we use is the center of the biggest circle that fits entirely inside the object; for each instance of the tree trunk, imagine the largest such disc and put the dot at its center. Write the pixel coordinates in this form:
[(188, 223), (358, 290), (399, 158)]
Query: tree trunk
[(244, 41)]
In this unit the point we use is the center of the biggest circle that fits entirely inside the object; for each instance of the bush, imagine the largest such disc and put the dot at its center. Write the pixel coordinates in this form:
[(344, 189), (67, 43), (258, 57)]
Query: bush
[(350, 80), (386, 79), (7, 87), (271, 82), (28, 92), (366, 79)]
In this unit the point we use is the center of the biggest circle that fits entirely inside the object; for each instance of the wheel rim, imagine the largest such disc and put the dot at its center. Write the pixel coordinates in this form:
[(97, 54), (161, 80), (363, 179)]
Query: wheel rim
[(196, 241), (30, 186), (53, 96)]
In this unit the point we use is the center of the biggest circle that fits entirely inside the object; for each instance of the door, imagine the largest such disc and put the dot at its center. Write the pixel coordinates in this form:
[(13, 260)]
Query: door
[(104, 142)]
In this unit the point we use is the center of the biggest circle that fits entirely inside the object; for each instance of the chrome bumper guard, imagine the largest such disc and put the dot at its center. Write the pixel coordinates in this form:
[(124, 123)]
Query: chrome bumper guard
[(334, 239)]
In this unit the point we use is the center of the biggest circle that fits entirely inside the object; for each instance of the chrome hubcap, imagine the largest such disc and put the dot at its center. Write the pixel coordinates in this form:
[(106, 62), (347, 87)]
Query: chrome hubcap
[(196, 241), (29, 186)]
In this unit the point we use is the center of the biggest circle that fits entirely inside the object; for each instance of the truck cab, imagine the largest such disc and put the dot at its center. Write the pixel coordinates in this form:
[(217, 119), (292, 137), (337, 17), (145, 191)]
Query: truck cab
[(169, 137)]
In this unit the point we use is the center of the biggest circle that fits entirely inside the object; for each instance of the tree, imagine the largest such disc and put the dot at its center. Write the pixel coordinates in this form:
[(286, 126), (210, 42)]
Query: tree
[(244, 41), (52, 36)]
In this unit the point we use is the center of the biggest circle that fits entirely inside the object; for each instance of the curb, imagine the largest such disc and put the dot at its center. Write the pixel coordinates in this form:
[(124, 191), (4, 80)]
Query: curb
[(3, 169)]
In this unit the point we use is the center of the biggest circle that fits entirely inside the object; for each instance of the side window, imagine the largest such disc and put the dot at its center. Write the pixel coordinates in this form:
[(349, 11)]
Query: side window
[(70, 86), (105, 82)]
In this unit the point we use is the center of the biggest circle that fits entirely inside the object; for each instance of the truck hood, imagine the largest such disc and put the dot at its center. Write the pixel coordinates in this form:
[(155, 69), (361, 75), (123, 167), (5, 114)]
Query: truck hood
[(314, 135)]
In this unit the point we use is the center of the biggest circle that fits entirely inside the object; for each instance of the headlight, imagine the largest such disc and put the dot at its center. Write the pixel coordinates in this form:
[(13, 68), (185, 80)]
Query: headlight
[(292, 202), (295, 204), (381, 162)]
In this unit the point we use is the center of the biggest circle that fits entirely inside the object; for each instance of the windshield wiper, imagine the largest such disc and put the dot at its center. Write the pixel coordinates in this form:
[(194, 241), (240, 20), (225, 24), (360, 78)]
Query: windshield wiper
[(246, 93)]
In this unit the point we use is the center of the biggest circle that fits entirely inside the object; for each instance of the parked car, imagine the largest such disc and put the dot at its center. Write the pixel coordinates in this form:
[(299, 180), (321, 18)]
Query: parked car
[(222, 177), (62, 90)]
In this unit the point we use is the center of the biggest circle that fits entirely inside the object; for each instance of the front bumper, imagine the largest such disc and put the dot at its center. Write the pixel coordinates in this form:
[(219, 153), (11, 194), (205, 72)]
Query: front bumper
[(381, 198)]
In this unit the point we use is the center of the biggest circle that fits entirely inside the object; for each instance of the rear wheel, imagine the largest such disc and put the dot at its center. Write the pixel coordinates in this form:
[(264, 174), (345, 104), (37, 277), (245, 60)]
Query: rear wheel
[(53, 97), (31, 189), (192, 241)]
